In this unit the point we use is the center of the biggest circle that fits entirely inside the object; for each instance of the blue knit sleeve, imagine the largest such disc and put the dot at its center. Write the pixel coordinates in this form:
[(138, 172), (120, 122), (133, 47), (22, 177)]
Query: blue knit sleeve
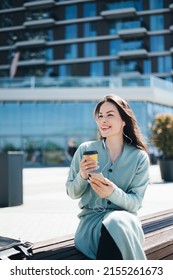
[(131, 200), (75, 184)]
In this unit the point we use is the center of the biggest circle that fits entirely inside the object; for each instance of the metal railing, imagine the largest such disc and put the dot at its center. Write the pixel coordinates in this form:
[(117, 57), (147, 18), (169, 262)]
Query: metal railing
[(35, 82)]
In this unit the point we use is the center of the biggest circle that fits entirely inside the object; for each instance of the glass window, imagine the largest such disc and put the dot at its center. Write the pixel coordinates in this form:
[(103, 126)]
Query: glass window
[(89, 9), (164, 64), (131, 44), (96, 69), (114, 46), (64, 70), (156, 4), (71, 31), (68, 70), (157, 43), (89, 29), (117, 67), (71, 51), (117, 25), (71, 12), (49, 54), (113, 68), (90, 49), (124, 4), (147, 66), (156, 22), (47, 35)]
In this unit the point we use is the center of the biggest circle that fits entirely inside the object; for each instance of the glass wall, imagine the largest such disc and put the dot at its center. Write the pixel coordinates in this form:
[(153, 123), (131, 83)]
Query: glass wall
[(96, 69), (89, 9), (156, 4), (164, 64), (70, 12), (116, 25), (64, 70), (132, 44), (147, 66), (43, 129), (71, 31), (124, 4), (157, 43), (89, 29), (71, 51), (117, 67), (90, 49), (156, 22), (114, 46)]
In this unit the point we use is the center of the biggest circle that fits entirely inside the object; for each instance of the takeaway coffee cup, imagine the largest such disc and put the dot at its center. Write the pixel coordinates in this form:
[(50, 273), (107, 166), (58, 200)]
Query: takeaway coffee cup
[(91, 155)]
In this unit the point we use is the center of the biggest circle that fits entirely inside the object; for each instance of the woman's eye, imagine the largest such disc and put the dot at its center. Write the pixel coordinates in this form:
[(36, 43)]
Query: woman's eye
[(100, 117)]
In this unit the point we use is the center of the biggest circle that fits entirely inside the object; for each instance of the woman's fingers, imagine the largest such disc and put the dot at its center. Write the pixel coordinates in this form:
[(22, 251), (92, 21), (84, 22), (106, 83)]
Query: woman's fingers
[(87, 166), (102, 189)]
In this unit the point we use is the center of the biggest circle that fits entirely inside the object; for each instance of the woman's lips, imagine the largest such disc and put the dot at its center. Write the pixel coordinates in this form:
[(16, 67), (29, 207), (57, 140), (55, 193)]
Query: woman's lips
[(104, 128)]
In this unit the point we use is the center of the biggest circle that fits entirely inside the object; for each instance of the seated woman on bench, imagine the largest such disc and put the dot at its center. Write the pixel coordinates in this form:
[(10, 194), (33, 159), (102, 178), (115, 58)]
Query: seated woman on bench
[(109, 227)]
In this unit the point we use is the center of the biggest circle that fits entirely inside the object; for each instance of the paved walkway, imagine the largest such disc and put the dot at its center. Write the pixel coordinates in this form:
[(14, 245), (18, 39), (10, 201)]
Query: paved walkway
[(47, 212)]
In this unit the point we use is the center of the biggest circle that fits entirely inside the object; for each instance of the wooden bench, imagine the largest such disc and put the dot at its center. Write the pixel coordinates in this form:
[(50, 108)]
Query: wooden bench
[(158, 229)]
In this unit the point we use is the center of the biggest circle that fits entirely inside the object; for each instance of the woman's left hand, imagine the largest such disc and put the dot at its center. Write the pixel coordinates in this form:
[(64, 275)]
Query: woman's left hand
[(103, 189)]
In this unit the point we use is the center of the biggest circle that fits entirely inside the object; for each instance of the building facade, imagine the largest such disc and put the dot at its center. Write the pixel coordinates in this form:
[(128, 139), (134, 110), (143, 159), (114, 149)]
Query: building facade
[(86, 38), (58, 58)]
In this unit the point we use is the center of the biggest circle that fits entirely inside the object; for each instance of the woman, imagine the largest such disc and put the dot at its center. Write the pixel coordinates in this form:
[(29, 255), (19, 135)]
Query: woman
[(109, 227)]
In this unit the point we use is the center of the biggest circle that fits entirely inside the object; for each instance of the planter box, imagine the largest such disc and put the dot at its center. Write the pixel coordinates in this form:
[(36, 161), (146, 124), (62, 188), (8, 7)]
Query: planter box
[(166, 169), (11, 179)]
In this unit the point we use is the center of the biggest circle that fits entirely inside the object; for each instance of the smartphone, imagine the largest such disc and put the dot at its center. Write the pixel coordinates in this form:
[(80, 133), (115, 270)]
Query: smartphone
[(98, 176)]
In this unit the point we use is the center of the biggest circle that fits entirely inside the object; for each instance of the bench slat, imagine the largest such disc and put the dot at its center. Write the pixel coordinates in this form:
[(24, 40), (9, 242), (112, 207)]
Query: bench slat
[(157, 224), (61, 254)]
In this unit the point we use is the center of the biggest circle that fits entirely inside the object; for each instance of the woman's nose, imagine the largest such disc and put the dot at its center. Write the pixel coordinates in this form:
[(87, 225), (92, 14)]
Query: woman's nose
[(104, 118)]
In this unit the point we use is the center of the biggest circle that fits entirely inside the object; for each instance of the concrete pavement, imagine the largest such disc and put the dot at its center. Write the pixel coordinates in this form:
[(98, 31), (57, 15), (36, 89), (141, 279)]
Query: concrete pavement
[(47, 212)]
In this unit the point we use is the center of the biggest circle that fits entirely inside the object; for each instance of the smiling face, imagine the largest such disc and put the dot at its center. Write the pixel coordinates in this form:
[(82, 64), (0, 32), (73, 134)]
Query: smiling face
[(109, 121)]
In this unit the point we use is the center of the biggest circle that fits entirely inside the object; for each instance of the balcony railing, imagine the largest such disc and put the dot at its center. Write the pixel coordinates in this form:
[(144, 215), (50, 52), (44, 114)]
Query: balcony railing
[(132, 81), (39, 23), (119, 13), (44, 4), (133, 53), (133, 32), (30, 43)]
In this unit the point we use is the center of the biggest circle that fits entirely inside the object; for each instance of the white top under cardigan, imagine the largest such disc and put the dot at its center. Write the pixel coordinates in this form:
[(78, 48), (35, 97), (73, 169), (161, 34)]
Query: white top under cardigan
[(118, 212)]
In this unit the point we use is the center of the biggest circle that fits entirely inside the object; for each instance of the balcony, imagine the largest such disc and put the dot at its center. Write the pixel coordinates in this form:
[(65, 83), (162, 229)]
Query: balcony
[(133, 53), (32, 62), (129, 74), (118, 13), (132, 32), (39, 4), (39, 23), (31, 43)]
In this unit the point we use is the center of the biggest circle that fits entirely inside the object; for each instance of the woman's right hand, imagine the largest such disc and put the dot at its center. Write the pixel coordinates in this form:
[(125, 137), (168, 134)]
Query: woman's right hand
[(86, 167)]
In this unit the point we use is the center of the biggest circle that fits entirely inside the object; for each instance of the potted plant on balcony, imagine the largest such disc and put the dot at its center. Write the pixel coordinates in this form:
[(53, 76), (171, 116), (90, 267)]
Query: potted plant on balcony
[(162, 137)]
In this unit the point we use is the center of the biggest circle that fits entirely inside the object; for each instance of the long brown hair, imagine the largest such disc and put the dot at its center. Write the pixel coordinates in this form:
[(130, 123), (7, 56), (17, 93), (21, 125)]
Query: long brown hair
[(131, 129)]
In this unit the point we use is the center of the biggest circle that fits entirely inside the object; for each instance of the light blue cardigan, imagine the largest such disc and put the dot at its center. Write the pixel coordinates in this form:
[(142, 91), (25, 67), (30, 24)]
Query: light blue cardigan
[(118, 212)]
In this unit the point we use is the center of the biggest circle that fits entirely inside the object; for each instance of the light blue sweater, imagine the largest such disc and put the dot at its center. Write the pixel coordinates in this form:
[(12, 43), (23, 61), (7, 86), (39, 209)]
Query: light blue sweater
[(130, 174)]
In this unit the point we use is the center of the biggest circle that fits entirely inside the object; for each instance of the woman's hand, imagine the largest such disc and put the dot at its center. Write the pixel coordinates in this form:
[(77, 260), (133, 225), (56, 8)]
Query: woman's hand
[(103, 189), (86, 167)]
